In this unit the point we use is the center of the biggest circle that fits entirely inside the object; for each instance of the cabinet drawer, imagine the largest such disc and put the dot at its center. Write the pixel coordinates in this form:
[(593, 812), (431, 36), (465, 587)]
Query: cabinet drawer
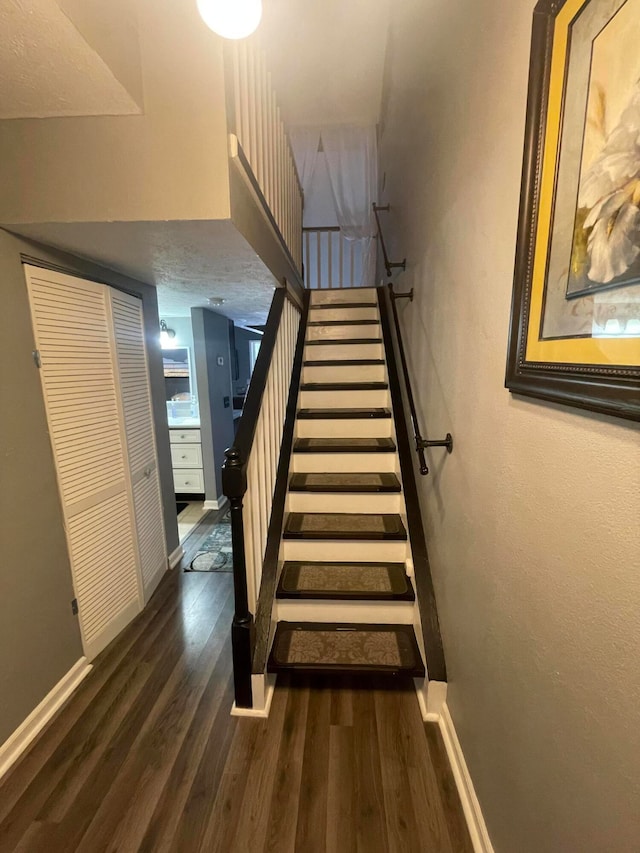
[(186, 456), (188, 480), (182, 436)]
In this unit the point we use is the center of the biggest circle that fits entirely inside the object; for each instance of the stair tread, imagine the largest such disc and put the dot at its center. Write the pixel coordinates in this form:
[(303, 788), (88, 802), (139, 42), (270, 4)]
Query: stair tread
[(343, 323), (346, 647), (346, 581), (342, 414), (345, 362), (343, 341), (340, 481), (333, 305), (344, 445), (344, 386), (345, 525)]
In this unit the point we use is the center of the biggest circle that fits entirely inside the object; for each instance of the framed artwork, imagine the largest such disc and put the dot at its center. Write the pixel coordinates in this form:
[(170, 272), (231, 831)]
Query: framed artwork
[(575, 316)]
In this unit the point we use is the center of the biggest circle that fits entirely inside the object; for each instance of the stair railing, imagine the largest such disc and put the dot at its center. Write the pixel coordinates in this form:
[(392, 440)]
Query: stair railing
[(330, 260), (260, 140), (249, 475)]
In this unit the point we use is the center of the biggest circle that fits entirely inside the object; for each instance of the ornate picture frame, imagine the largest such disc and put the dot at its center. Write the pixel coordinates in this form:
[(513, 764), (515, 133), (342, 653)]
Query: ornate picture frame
[(575, 316)]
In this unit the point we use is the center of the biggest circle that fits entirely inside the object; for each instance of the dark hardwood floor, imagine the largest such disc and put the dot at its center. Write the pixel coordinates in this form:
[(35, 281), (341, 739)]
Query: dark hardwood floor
[(145, 756)]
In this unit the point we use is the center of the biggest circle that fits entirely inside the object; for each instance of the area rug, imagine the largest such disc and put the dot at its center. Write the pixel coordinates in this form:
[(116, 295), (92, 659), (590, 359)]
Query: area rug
[(215, 553)]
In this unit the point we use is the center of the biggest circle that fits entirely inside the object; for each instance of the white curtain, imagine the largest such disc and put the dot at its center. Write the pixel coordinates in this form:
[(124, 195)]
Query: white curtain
[(352, 162), (305, 142)]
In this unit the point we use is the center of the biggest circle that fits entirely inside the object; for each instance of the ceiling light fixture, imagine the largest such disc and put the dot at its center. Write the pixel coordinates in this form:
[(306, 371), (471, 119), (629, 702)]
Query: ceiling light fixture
[(167, 336), (216, 300), (231, 19)]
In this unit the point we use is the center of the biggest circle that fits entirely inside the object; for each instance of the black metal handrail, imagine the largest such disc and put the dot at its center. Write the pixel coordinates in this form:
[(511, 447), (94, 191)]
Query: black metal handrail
[(388, 265), (420, 443), (234, 486)]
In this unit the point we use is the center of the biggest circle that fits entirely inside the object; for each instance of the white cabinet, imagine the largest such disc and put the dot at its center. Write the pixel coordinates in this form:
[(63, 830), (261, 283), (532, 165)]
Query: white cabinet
[(186, 459)]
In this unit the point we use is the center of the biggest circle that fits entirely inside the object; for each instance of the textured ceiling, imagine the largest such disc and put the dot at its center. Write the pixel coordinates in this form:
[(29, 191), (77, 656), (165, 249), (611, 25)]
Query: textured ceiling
[(187, 261), (48, 69), (327, 58)]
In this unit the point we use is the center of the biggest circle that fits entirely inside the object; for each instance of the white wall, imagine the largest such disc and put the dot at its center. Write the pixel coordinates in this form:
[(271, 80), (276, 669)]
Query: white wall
[(168, 164), (533, 523)]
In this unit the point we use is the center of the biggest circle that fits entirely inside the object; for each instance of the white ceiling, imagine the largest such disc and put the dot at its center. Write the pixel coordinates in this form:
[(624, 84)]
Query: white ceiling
[(187, 261), (48, 69), (327, 58)]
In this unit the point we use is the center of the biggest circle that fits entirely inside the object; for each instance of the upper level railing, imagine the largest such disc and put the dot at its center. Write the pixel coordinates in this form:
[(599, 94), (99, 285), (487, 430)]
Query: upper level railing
[(330, 260), (253, 116), (251, 471)]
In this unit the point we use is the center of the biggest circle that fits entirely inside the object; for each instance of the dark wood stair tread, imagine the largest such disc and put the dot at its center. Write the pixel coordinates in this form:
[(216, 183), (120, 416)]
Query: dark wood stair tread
[(344, 362), (345, 581), (333, 305), (358, 526), (344, 445), (343, 323), (339, 481), (325, 647), (344, 386), (341, 341), (342, 414)]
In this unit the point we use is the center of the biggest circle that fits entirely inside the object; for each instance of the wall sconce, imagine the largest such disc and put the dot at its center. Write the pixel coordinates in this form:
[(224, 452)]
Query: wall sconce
[(167, 336), (231, 19)]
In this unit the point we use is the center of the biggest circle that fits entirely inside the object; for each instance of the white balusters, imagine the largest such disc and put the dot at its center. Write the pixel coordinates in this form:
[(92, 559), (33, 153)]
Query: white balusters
[(330, 260), (263, 138), (265, 451)]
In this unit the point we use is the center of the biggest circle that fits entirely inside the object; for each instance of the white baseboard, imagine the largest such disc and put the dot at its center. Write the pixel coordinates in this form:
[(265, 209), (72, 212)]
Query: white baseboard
[(263, 688), (18, 742), (176, 556), (470, 805), (431, 697), (217, 504)]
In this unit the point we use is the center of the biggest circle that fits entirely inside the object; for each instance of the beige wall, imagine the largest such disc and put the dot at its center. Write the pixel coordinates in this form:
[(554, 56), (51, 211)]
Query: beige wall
[(170, 163), (533, 523)]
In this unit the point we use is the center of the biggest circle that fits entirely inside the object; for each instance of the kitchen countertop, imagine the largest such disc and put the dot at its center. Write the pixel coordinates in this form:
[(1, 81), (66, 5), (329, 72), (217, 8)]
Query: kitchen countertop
[(180, 423)]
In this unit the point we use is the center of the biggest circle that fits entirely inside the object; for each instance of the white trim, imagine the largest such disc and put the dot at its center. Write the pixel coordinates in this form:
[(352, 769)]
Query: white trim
[(263, 688), (23, 736), (432, 696), (470, 805), (175, 556), (217, 504)]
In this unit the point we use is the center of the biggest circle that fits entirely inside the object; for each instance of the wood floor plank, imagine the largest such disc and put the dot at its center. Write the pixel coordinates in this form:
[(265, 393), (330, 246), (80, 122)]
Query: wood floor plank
[(312, 808), (448, 792), (341, 791), (369, 813), (285, 799), (118, 820)]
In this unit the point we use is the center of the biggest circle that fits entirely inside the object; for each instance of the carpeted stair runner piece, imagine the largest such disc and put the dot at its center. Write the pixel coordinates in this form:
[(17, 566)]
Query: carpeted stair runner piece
[(344, 445), (341, 414), (344, 525), (327, 647), (342, 482), (345, 581)]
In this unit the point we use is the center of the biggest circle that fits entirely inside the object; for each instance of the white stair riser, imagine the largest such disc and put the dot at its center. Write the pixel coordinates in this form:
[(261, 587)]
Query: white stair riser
[(360, 462), (321, 314), (367, 551), (382, 612), (319, 333), (342, 428), (343, 351), (347, 294), (345, 373), (341, 502), (344, 400)]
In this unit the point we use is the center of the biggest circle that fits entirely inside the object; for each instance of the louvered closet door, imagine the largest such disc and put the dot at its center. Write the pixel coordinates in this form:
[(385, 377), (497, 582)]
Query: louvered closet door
[(72, 326), (141, 444)]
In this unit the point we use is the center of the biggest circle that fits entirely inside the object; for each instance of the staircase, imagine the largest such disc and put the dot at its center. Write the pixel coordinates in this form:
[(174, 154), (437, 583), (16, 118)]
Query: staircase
[(345, 599)]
